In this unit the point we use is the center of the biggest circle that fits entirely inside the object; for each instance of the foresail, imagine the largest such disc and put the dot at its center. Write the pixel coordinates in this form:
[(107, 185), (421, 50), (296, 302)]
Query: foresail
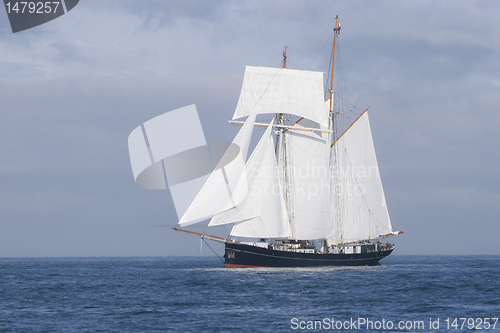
[(360, 207), (306, 163), (227, 185), (262, 214), (281, 90)]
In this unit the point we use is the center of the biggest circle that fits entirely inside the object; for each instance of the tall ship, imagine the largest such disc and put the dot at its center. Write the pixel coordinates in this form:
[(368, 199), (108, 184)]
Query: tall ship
[(306, 195)]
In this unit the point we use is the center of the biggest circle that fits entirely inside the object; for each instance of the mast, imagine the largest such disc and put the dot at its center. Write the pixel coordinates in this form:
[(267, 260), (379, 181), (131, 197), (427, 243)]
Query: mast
[(281, 154), (284, 57), (334, 181), (336, 30), (280, 118)]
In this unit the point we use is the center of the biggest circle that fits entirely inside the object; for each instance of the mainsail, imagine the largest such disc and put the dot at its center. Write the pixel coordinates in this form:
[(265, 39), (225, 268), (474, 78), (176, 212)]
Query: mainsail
[(358, 198)]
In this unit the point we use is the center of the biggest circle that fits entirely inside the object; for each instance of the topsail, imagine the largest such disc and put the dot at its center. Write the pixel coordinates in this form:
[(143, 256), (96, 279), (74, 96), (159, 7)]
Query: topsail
[(281, 90)]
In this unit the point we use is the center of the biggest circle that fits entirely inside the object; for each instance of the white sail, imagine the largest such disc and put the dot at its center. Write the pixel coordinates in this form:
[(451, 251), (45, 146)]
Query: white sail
[(244, 210), (306, 162), (227, 185), (281, 90), (358, 201), (262, 214)]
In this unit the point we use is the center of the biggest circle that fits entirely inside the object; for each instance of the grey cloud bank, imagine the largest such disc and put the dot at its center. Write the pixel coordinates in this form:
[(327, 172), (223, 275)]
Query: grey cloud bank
[(73, 89)]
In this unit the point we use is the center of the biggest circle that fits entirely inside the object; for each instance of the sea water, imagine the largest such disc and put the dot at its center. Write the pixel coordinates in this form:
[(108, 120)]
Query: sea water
[(197, 294)]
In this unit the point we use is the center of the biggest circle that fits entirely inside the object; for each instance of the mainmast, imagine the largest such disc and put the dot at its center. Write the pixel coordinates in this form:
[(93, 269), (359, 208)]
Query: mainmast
[(334, 180), (336, 31)]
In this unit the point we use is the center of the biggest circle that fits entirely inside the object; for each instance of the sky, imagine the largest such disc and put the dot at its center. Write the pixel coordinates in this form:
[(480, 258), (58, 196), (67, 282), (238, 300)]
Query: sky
[(73, 89)]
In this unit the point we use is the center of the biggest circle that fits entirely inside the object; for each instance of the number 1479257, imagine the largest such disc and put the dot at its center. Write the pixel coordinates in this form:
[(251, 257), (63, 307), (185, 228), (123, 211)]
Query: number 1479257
[(471, 323), (22, 7)]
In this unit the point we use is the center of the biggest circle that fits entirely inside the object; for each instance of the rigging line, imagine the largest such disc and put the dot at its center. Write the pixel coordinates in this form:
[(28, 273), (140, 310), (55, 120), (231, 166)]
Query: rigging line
[(343, 99), (264, 225), (212, 250), (196, 246), (320, 50), (374, 224), (287, 173), (339, 96), (288, 59), (250, 227), (375, 218)]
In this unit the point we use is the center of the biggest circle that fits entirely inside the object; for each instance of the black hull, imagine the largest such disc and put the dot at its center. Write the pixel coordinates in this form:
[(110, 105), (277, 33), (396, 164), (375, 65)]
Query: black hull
[(242, 255)]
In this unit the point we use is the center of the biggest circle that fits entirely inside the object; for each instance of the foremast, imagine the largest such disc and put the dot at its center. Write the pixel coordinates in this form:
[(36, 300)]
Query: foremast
[(282, 151)]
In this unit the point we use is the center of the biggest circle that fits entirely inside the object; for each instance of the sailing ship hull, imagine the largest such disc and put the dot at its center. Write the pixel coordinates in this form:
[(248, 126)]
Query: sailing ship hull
[(239, 255)]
